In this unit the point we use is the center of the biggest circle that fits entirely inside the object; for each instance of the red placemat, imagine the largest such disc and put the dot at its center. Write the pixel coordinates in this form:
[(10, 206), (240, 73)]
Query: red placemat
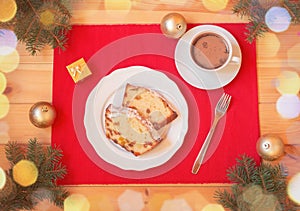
[(109, 47)]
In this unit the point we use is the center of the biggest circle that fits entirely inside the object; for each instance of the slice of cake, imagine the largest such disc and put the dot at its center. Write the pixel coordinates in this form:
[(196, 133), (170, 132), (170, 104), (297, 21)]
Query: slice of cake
[(128, 129), (149, 104)]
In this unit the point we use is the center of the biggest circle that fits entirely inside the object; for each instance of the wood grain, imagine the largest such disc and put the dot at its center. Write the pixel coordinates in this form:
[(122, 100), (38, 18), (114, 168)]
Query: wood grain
[(32, 82)]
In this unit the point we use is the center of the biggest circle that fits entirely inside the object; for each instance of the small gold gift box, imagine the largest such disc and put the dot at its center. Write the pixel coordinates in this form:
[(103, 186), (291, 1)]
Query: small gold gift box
[(78, 70)]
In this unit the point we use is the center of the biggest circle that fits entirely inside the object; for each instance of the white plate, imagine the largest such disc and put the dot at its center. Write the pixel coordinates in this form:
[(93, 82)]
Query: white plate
[(207, 80), (103, 94)]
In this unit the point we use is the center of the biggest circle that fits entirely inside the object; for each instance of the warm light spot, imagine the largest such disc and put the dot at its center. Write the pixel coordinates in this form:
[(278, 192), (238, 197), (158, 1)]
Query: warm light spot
[(288, 106), (293, 188), (8, 41), (176, 205), (25, 173), (76, 202), (215, 5), (8, 10), (2, 83), (9, 62), (194, 198), (268, 45), (175, 3), (213, 207), (278, 19), (117, 5), (156, 201), (101, 202), (2, 178), (288, 82), (47, 18), (294, 56), (4, 106), (131, 200)]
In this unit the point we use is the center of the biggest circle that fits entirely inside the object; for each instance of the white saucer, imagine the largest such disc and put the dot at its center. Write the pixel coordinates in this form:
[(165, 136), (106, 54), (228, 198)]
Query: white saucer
[(198, 78)]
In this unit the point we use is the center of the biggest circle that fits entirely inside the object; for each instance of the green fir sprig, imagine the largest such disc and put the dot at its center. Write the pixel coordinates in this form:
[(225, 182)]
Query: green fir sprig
[(262, 187), (255, 11), (40, 23), (50, 170)]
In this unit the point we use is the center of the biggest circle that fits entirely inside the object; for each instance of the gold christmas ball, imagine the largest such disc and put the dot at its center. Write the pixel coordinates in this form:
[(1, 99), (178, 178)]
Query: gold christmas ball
[(42, 114), (270, 147), (173, 25)]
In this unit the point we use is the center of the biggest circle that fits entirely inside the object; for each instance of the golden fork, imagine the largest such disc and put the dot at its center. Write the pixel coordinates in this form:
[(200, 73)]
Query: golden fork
[(220, 110)]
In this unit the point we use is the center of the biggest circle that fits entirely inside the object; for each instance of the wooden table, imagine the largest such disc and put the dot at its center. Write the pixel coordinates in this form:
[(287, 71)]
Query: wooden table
[(32, 82)]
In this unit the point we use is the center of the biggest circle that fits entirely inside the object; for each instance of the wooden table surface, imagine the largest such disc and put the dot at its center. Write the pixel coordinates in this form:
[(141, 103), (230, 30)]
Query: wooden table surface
[(32, 82)]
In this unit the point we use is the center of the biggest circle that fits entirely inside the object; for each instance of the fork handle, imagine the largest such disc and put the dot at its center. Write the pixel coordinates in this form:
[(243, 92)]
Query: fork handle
[(204, 147)]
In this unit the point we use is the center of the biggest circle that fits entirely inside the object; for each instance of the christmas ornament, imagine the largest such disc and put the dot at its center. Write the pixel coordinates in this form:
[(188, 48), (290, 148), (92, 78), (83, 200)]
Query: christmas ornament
[(288, 106), (8, 9), (270, 147), (76, 202), (4, 106), (278, 19), (215, 5), (78, 70), (293, 188), (173, 25), (42, 114), (25, 173), (8, 41)]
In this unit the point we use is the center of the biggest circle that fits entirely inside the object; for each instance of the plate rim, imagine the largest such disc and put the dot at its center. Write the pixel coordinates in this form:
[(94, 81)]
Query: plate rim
[(181, 135)]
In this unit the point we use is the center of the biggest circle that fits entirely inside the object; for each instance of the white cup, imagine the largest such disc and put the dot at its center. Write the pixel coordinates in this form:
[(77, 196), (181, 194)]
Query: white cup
[(212, 51)]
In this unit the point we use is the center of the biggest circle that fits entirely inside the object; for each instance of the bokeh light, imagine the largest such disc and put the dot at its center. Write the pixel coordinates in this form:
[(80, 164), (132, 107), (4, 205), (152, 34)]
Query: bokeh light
[(131, 200), (215, 5), (293, 56), (124, 5), (8, 41), (8, 9), (4, 106), (288, 106), (278, 19), (156, 201), (293, 188), (9, 62), (172, 2), (288, 82), (213, 207), (268, 45), (176, 205), (76, 202), (2, 83)]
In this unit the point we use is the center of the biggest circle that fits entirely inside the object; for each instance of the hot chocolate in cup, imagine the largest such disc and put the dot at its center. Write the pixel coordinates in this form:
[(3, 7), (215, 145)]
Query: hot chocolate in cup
[(212, 51)]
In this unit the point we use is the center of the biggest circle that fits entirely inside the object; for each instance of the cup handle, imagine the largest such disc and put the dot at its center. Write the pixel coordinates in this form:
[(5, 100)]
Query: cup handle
[(236, 59)]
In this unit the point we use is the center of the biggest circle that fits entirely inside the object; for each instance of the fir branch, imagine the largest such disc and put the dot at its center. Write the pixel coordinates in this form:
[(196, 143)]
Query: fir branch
[(226, 199), (35, 152), (14, 152)]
